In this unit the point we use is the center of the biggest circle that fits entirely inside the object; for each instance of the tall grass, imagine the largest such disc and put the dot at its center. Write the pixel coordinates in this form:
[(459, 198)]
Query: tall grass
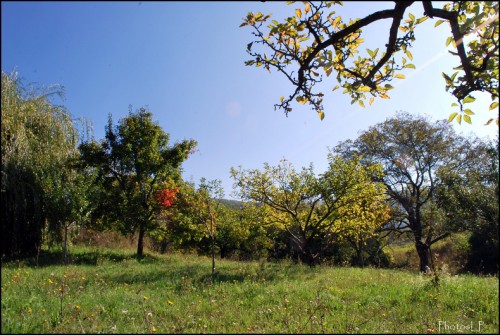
[(113, 292)]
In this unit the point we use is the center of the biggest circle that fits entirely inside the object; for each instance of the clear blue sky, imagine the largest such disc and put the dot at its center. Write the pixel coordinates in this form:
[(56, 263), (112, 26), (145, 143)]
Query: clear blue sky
[(185, 61)]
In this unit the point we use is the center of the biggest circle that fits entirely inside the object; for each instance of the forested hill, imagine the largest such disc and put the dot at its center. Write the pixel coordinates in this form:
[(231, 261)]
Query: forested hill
[(231, 203)]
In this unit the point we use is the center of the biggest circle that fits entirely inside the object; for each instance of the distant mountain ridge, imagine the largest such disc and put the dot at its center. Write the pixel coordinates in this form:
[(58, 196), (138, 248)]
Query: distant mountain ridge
[(232, 203)]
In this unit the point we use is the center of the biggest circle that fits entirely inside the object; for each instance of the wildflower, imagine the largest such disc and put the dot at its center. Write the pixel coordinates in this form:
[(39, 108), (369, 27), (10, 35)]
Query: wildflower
[(30, 310), (384, 315), (50, 281), (145, 297), (153, 330), (83, 278), (77, 307), (170, 302)]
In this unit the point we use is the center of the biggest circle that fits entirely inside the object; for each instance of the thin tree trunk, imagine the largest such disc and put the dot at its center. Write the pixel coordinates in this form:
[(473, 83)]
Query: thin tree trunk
[(213, 256), (140, 241), (213, 244), (66, 244)]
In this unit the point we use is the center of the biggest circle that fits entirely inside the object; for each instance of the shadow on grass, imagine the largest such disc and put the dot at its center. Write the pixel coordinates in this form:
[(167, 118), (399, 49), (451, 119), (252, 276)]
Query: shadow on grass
[(181, 276), (97, 257)]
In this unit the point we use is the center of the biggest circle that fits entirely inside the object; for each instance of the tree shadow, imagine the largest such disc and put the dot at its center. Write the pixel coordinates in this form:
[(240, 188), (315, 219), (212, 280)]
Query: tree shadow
[(96, 257)]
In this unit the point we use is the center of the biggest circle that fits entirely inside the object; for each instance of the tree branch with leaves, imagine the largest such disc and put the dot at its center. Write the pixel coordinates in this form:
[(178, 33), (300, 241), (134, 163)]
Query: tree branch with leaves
[(316, 38)]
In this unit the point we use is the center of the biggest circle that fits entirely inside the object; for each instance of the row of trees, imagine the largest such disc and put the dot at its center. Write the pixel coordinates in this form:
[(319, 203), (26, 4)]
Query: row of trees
[(406, 176)]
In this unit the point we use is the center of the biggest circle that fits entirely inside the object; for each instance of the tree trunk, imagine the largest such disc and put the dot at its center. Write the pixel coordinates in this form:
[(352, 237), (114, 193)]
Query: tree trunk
[(213, 256), (359, 251), (140, 241), (66, 244), (423, 251)]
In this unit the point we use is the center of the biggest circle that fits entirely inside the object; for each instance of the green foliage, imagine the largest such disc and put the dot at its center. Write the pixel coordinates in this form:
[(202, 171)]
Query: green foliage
[(411, 150), (315, 211), (316, 38), (38, 141), (470, 200), (133, 162)]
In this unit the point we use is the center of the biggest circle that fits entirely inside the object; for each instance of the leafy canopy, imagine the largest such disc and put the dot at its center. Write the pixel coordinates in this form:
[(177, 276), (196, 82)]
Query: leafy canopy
[(135, 162), (314, 210), (316, 39)]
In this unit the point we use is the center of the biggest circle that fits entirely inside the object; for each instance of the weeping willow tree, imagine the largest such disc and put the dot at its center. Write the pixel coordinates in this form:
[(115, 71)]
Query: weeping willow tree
[(38, 140)]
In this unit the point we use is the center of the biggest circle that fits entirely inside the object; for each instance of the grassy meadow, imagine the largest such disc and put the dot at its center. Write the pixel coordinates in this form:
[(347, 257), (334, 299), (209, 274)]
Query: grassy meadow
[(110, 291)]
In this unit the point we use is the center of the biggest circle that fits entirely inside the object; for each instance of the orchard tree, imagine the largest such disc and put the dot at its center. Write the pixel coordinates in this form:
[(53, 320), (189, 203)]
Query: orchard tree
[(362, 218), (134, 160), (411, 149), (67, 202), (316, 39), (203, 205), (311, 209)]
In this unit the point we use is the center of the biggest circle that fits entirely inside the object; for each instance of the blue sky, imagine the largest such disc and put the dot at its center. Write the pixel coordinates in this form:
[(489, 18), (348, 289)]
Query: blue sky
[(185, 61)]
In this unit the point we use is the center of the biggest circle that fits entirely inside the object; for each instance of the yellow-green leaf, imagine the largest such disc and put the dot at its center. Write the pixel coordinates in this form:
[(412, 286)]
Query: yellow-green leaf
[(371, 100), (302, 100), (452, 116), (400, 76), (308, 7), (448, 40), (409, 66), (298, 12), (438, 22), (493, 105), (321, 115), (282, 98), (467, 119), (459, 119), (364, 89), (412, 17), (468, 99), (408, 53), (422, 19), (468, 112), (328, 70), (384, 96)]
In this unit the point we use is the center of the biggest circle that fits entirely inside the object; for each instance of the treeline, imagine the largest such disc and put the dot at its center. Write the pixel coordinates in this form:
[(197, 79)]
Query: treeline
[(407, 177)]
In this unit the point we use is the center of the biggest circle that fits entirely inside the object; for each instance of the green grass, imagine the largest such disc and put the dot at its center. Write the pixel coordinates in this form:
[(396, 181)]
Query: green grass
[(112, 292)]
